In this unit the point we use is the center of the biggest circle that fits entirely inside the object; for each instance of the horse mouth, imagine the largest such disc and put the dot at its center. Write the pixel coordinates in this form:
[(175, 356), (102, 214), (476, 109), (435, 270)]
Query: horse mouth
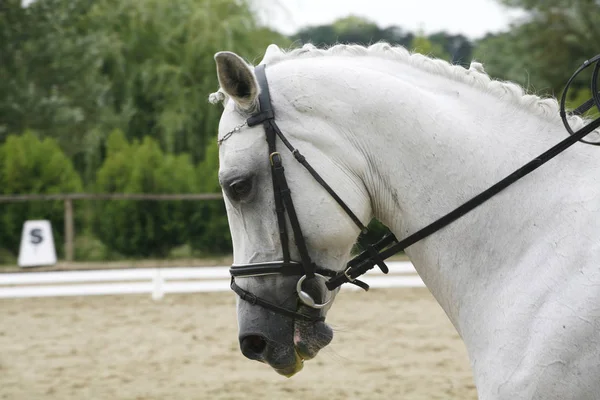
[(310, 338), (293, 369)]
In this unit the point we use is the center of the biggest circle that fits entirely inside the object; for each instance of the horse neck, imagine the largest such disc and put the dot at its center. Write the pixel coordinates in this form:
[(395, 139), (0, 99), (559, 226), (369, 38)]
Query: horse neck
[(430, 144)]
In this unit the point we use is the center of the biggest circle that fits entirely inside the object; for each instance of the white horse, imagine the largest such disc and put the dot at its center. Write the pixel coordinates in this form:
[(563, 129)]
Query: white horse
[(406, 139)]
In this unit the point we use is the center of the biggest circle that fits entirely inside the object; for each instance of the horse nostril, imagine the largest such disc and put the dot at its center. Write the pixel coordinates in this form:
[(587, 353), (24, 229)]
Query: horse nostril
[(253, 346)]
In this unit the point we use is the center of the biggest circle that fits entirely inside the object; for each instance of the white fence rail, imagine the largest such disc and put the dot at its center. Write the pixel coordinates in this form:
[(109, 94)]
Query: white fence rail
[(159, 281)]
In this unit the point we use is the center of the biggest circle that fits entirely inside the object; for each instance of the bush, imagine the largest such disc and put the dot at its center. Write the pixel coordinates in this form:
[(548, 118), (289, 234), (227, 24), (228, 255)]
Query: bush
[(209, 226), (7, 257), (29, 165), (142, 228)]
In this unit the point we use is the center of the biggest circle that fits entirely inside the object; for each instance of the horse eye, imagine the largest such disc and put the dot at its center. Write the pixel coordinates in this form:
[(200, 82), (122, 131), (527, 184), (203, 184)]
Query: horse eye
[(241, 188)]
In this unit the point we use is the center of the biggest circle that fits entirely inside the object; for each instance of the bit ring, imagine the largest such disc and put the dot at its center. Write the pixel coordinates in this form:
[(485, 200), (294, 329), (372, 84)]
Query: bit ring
[(307, 298)]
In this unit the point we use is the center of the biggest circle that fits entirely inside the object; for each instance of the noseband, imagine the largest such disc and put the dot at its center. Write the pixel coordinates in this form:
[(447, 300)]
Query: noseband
[(376, 253)]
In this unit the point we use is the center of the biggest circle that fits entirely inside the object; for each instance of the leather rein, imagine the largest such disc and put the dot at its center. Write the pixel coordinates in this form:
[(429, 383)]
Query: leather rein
[(377, 253)]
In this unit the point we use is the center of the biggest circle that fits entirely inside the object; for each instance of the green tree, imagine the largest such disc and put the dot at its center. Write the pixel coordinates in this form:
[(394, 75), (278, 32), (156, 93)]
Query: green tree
[(422, 44), (29, 165), (48, 67), (502, 55), (352, 29), (543, 50), (160, 63), (458, 47), (77, 69)]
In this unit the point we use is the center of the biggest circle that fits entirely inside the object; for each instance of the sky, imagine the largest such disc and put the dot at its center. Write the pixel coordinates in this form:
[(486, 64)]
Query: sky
[(472, 18)]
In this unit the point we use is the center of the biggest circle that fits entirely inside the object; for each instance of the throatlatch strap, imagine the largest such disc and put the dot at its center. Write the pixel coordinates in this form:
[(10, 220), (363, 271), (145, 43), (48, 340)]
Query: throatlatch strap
[(267, 117), (302, 160)]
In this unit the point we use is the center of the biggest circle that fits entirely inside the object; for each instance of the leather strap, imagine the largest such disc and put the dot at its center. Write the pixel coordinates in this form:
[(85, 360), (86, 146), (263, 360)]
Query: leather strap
[(254, 300), (264, 99), (585, 106), (280, 267), (284, 192), (283, 268)]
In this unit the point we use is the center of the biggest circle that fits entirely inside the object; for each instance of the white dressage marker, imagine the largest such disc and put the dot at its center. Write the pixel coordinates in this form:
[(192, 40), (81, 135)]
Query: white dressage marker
[(37, 244)]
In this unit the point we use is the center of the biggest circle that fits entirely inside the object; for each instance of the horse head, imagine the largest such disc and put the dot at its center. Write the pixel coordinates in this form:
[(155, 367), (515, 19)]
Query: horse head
[(273, 248)]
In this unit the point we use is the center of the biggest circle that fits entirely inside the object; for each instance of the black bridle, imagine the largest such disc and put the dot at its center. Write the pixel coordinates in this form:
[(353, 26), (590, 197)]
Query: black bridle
[(376, 253)]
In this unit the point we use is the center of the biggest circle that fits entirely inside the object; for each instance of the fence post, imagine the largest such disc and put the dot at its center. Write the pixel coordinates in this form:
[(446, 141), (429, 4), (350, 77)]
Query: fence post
[(158, 290), (69, 229)]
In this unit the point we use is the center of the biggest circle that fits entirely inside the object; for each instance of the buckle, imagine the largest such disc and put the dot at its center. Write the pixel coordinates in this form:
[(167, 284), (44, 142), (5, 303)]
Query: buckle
[(276, 153), (350, 279)]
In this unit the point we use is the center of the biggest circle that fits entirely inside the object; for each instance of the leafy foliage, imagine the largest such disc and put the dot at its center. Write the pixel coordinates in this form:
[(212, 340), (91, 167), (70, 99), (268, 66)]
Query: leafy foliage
[(142, 228), (421, 44), (544, 50), (49, 67), (352, 29), (209, 226), (161, 68), (77, 69), (29, 165), (458, 48)]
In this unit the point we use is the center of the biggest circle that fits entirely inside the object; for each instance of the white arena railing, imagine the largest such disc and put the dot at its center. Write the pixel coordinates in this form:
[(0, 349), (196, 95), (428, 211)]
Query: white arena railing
[(160, 281)]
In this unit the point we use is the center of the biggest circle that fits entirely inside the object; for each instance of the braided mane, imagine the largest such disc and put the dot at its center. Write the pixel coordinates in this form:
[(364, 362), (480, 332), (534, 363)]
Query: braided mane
[(475, 76)]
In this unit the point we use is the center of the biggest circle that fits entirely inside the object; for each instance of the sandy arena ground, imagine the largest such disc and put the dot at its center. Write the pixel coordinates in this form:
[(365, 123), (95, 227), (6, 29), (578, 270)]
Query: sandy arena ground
[(389, 344)]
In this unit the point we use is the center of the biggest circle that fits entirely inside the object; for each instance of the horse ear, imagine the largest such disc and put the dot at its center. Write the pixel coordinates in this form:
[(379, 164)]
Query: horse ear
[(237, 80)]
